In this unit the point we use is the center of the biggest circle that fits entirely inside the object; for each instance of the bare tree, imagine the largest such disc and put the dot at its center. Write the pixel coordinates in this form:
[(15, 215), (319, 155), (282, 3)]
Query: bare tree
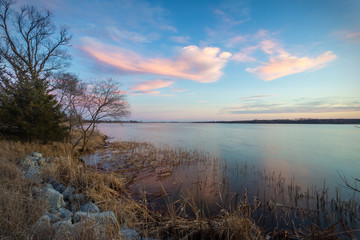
[(68, 89), (32, 48), (30, 44), (93, 102)]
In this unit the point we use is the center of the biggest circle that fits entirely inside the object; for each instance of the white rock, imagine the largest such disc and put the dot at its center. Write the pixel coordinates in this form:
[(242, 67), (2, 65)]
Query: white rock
[(54, 198)]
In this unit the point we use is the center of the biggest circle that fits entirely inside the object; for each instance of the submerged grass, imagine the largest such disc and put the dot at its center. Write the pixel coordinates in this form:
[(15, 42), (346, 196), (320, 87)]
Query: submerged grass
[(120, 164)]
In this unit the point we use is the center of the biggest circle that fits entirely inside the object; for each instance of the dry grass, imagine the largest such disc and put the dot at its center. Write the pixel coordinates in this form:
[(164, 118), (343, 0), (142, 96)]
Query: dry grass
[(19, 210)]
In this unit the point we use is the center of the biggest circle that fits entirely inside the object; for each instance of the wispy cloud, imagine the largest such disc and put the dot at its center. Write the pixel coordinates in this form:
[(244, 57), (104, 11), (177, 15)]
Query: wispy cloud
[(303, 105), (193, 63), (256, 96), (178, 90), (282, 63), (120, 35), (180, 39), (347, 35), (245, 55), (236, 40), (233, 12), (353, 36), (201, 101), (151, 85)]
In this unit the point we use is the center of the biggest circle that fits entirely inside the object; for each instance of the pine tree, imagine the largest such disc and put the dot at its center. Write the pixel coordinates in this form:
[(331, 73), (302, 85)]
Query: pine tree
[(29, 112), (31, 50)]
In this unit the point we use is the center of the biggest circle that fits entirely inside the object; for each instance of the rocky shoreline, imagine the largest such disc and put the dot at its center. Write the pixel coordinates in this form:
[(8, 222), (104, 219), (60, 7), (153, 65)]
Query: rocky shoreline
[(69, 213)]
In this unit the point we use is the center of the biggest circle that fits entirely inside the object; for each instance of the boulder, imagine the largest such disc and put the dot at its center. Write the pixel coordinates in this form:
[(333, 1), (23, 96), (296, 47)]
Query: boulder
[(44, 220), (77, 198), (28, 161), (63, 230), (54, 198), (102, 218), (54, 183), (60, 188), (33, 172), (89, 207), (129, 234), (67, 192), (65, 213), (36, 155), (41, 162), (76, 201), (52, 217)]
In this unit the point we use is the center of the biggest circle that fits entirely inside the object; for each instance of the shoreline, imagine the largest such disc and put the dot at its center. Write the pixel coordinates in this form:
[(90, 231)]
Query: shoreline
[(183, 217)]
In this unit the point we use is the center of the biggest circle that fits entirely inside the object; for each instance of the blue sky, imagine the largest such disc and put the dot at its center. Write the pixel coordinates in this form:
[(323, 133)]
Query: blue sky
[(220, 60)]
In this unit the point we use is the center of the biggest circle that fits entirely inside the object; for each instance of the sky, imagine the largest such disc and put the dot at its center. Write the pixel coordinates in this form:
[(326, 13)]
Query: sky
[(219, 60)]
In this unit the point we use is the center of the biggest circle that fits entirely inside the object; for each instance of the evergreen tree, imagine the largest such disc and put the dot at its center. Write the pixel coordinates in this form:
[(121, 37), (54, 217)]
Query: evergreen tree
[(29, 112), (31, 50)]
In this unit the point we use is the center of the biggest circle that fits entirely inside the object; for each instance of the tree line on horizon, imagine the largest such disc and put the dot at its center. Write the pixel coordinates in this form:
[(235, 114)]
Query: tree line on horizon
[(39, 99)]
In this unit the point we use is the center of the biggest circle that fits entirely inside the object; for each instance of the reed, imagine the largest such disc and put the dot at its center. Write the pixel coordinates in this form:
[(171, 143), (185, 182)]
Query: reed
[(293, 212)]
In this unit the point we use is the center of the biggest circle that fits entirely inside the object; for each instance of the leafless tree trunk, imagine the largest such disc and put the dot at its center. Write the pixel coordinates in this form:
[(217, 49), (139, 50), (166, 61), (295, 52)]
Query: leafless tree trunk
[(30, 44), (92, 102)]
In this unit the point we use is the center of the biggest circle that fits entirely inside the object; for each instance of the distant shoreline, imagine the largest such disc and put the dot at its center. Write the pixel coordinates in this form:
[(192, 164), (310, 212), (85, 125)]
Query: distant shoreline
[(273, 121)]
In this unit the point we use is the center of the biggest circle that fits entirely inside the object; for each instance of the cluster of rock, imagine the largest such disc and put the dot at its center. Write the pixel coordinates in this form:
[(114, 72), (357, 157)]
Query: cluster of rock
[(69, 214)]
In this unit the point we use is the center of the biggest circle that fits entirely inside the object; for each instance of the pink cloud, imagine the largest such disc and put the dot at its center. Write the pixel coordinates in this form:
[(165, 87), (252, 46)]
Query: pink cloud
[(193, 63), (235, 40), (347, 35), (353, 36), (284, 65), (257, 96), (178, 90), (245, 55), (151, 85)]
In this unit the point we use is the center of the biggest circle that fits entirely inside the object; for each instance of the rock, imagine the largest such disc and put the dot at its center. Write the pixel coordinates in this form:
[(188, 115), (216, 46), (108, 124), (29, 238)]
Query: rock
[(53, 218), (76, 201), (28, 162), (67, 192), (89, 207), (44, 219), (129, 234), (78, 197), (41, 161), (65, 213), (102, 218), (63, 230), (63, 223), (36, 154), (54, 183), (33, 173), (54, 198), (60, 188)]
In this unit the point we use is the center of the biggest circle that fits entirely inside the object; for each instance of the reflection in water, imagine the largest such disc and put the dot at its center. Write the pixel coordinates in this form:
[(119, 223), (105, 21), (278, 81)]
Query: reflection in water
[(311, 154), (281, 166)]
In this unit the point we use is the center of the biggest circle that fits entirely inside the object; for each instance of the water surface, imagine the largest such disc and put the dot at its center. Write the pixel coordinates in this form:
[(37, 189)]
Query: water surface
[(311, 154)]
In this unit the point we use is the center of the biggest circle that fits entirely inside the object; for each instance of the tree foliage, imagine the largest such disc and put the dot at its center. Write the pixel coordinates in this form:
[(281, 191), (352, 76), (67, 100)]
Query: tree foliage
[(31, 50)]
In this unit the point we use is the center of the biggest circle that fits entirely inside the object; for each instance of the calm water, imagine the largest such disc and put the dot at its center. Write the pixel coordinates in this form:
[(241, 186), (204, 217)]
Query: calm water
[(253, 157), (308, 153)]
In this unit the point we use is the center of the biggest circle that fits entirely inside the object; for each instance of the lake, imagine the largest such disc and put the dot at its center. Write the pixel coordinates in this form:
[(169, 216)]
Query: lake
[(308, 153), (283, 163)]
